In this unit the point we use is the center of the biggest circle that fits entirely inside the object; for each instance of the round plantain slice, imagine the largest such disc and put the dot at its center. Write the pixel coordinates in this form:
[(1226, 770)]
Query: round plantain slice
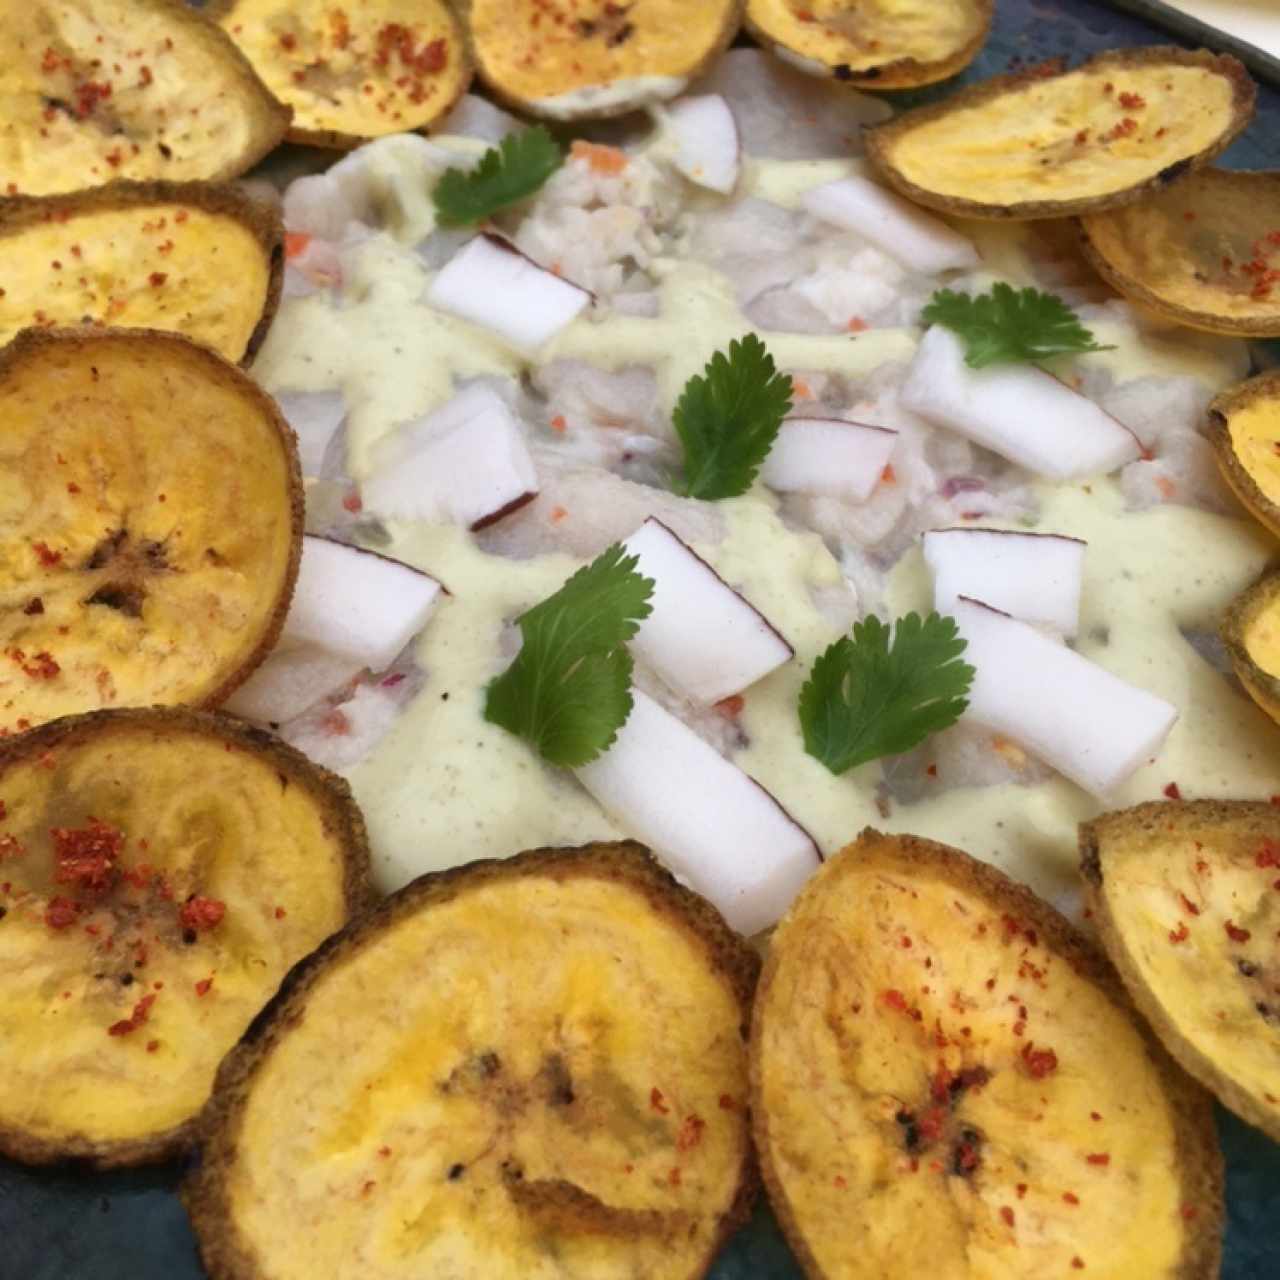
[(532, 1068), (199, 258), (1036, 145), (353, 72), (1186, 899), (1205, 252), (160, 871), (103, 89), (948, 1080), (1244, 429), (1251, 633), (574, 61), (150, 523), (881, 44)]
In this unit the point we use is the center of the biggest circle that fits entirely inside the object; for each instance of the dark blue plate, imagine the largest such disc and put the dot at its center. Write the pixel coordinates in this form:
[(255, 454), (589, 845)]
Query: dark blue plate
[(69, 1225)]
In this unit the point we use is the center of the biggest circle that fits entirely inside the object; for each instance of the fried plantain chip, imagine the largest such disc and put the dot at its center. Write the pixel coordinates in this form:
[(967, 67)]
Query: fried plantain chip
[(595, 58), (1205, 252), (162, 870), (1036, 145), (1251, 633), (1244, 429), (353, 72), (533, 1068), (102, 89), (948, 1080), (1184, 895), (880, 44), (150, 523), (198, 258)]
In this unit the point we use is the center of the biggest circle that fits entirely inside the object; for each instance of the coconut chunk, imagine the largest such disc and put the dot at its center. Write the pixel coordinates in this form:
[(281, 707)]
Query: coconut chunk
[(1018, 411), (714, 825), (918, 240), (706, 134), (314, 417), (492, 284), (1035, 577), (1090, 725), (703, 638), (829, 457)]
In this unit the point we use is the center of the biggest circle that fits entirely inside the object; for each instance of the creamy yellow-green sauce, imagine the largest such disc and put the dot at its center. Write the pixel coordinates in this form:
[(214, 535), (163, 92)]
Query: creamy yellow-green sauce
[(444, 787)]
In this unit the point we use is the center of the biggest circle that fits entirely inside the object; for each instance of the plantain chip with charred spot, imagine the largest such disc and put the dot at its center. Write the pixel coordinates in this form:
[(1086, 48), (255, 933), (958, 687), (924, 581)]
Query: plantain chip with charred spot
[(595, 58), (150, 523), (103, 89), (353, 72), (1048, 142), (1184, 895), (1205, 252), (948, 1079), (884, 44), (162, 871), (199, 258), (1251, 633), (1244, 426), (533, 1068)]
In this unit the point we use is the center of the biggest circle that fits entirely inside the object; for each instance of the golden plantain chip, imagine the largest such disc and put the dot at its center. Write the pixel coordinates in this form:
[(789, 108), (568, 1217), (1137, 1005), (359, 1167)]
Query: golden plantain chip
[(1185, 897), (1251, 633), (526, 1069), (1043, 145), (876, 44), (595, 58), (102, 89), (353, 72), (200, 259), (162, 870), (948, 1080), (1204, 252), (150, 523), (1244, 429)]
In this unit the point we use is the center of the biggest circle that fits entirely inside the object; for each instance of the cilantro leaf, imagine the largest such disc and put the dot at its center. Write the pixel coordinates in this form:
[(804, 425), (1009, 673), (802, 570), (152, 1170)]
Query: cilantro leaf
[(511, 171), (1010, 325), (868, 696), (727, 419), (568, 692)]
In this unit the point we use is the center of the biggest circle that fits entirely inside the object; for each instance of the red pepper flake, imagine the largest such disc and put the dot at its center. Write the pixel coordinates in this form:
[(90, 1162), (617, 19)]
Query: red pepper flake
[(894, 999), (1069, 1197), (156, 279), (840, 1182), (658, 1102), (43, 665), (280, 913), (674, 1177), (141, 1011), (60, 913), (690, 1133), (558, 423), (1039, 1063), (727, 1103), (88, 95), (1099, 1157), (1235, 933), (10, 846), (1132, 101), (1006, 1215), (1082, 137), (202, 987), (1122, 129), (1021, 1189), (202, 913), (1269, 853), (46, 555), (1077, 1263), (86, 856), (1172, 792), (1180, 934), (352, 503), (889, 475), (1188, 906), (152, 1045), (33, 607), (288, 41), (1189, 1211), (731, 707), (932, 771)]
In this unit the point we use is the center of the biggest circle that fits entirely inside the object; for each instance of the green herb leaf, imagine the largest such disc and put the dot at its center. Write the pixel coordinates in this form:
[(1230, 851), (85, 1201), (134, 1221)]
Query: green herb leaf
[(868, 696), (727, 419), (568, 692), (1010, 325), (507, 173)]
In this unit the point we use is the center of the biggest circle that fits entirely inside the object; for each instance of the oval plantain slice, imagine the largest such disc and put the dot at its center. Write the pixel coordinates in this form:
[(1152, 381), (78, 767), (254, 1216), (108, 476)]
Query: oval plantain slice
[(162, 869), (1187, 902), (1205, 252), (948, 1080), (595, 58), (353, 72), (1244, 429), (150, 523), (884, 44), (199, 258), (103, 89), (1035, 145), (531, 1069), (1251, 633)]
